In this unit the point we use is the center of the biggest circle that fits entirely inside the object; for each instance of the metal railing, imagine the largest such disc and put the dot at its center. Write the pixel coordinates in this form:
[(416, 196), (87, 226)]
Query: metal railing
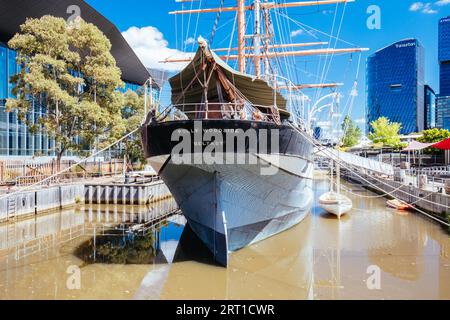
[(435, 171), (225, 111)]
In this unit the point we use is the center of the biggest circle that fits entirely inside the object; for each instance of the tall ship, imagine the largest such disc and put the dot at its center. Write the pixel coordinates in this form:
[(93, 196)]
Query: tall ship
[(235, 156)]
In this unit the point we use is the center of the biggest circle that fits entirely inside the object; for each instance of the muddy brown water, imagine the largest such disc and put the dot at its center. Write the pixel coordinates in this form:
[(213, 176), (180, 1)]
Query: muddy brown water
[(91, 253)]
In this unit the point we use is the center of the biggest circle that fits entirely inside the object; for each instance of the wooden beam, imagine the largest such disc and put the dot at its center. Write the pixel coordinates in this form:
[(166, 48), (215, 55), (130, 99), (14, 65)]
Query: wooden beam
[(241, 35), (210, 10), (301, 53), (304, 3), (276, 46), (311, 86), (268, 5)]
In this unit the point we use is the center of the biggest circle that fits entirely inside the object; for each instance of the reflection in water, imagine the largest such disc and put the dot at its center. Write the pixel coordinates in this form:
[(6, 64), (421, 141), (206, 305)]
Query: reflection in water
[(149, 253), (118, 248)]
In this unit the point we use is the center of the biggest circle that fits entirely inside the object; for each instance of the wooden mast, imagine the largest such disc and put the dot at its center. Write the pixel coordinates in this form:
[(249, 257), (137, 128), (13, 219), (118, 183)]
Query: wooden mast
[(266, 43), (241, 35), (257, 38), (257, 6)]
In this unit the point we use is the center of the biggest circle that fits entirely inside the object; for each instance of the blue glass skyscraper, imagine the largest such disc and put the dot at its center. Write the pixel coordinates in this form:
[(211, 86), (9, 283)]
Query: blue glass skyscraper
[(395, 85), (430, 108), (443, 101)]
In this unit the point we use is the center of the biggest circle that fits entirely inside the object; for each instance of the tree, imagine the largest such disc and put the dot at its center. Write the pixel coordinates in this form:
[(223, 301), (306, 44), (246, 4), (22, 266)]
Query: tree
[(71, 67), (385, 132), (352, 133), (431, 136), (434, 135), (132, 116)]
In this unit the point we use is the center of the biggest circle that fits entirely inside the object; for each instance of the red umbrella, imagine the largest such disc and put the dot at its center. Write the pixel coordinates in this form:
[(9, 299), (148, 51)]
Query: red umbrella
[(443, 145)]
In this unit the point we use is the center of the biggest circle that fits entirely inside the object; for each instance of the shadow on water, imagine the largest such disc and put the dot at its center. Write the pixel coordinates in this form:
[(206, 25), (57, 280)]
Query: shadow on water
[(191, 248), (119, 246)]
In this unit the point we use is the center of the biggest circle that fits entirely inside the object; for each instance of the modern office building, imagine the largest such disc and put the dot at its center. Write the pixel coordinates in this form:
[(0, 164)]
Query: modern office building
[(430, 107), (443, 112), (443, 100), (395, 85), (15, 138)]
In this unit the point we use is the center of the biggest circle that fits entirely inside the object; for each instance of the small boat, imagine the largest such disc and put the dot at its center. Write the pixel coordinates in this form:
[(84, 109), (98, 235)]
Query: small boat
[(335, 203), (397, 204)]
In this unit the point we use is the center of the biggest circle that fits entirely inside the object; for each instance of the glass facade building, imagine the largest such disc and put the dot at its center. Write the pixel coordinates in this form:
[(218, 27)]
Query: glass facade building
[(443, 101), (430, 108), (395, 85), (15, 138), (443, 112)]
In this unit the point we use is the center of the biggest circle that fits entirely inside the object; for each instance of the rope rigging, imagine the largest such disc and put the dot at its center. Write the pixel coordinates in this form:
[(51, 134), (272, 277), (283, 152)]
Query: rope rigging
[(216, 23), (354, 170)]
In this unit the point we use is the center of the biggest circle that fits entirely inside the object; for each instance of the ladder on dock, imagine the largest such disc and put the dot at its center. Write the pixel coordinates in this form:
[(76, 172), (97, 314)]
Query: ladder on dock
[(11, 208)]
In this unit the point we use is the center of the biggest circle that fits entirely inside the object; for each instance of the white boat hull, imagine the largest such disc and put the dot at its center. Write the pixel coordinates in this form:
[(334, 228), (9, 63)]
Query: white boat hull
[(336, 204), (233, 206)]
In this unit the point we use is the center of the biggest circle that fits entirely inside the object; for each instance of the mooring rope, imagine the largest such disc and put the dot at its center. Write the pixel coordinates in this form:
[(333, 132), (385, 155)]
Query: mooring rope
[(343, 164)]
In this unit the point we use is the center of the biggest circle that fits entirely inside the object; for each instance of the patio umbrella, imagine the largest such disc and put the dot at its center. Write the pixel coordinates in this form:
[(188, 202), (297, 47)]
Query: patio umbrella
[(443, 145)]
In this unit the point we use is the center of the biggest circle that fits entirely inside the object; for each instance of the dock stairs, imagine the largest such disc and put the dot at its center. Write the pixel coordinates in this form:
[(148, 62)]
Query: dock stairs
[(11, 208)]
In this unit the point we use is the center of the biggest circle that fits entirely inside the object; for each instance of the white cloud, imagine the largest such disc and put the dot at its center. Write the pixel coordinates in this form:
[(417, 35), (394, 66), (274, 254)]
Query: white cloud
[(325, 12), (151, 48), (297, 33), (416, 6), (442, 3), (360, 121), (428, 9)]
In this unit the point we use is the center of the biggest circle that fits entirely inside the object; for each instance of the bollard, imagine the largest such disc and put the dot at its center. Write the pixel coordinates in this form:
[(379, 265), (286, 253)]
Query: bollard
[(423, 181)]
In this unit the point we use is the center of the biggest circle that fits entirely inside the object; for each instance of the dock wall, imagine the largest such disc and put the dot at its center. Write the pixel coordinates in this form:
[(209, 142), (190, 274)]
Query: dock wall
[(45, 199), (40, 200), (131, 194)]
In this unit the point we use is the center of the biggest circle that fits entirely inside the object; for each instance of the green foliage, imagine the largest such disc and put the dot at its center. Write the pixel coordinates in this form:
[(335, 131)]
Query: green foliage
[(434, 135), (352, 133), (431, 136), (72, 68), (385, 133), (132, 115)]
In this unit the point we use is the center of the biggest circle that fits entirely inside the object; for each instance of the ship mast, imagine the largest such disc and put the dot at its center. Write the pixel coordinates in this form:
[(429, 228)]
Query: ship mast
[(259, 47), (257, 37), (241, 35)]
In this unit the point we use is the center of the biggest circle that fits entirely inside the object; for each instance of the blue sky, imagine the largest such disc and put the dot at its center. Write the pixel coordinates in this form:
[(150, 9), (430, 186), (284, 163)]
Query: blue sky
[(153, 34)]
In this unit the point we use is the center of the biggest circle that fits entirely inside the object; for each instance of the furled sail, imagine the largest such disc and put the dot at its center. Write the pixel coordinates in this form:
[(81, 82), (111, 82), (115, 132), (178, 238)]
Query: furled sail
[(224, 84)]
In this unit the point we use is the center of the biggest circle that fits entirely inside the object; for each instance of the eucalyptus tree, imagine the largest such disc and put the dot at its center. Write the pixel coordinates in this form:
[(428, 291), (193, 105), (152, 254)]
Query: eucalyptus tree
[(70, 67)]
